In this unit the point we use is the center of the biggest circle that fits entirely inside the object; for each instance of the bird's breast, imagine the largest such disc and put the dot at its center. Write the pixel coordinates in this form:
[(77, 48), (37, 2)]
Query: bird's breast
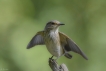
[(52, 42)]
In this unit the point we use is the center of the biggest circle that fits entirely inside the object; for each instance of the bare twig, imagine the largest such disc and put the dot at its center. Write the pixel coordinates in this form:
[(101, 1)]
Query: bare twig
[(55, 67)]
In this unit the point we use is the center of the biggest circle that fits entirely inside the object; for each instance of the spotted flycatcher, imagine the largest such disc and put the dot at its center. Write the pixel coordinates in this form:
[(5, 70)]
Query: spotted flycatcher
[(57, 43)]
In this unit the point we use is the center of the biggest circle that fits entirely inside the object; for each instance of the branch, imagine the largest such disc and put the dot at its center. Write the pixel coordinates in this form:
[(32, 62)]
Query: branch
[(55, 67)]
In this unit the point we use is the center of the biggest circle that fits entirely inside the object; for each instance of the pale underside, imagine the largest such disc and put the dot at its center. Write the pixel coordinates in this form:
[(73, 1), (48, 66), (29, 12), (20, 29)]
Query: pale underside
[(52, 42)]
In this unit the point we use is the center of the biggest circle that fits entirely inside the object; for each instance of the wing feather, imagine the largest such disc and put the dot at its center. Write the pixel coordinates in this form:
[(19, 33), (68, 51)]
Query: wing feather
[(70, 45), (36, 40)]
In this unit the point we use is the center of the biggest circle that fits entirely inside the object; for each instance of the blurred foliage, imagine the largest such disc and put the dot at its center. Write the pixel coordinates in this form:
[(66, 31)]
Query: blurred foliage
[(20, 20)]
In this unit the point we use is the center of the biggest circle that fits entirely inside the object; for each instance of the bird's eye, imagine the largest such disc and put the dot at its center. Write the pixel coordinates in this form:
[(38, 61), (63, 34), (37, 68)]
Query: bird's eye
[(52, 23)]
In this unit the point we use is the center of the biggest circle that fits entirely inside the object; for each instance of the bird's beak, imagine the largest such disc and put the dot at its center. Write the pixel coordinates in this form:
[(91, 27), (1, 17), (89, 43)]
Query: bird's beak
[(61, 24)]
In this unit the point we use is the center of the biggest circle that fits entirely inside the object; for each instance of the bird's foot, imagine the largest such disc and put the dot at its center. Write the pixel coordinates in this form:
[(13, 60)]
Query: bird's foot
[(51, 59)]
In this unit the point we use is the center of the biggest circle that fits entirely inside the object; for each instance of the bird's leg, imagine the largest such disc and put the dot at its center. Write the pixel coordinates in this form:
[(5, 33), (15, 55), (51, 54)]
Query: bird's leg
[(52, 57)]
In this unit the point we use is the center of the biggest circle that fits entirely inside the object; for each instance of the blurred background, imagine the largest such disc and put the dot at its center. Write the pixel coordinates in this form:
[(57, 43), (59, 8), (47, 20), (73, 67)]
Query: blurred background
[(20, 20)]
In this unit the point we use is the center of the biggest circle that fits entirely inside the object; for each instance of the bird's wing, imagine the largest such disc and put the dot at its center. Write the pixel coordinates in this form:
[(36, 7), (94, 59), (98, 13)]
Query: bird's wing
[(69, 45), (36, 40)]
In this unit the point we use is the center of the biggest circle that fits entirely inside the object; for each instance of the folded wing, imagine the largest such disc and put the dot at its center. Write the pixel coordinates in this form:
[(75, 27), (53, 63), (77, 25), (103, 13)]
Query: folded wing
[(69, 45)]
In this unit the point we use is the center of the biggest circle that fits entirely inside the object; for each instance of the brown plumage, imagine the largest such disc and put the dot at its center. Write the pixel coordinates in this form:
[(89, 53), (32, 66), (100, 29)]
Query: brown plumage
[(57, 43)]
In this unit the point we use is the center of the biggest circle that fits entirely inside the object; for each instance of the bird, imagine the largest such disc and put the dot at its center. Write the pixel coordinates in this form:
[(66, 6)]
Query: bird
[(57, 43)]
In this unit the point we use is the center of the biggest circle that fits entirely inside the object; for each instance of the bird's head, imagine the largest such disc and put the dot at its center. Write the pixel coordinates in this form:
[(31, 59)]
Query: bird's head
[(53, 25)]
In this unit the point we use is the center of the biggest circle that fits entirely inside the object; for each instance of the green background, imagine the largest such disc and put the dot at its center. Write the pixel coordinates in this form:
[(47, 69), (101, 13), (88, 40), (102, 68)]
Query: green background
[(20, 20)]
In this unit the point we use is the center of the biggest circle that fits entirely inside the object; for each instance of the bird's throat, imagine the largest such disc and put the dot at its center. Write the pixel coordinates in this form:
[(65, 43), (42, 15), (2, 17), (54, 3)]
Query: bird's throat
[(54, 34)]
